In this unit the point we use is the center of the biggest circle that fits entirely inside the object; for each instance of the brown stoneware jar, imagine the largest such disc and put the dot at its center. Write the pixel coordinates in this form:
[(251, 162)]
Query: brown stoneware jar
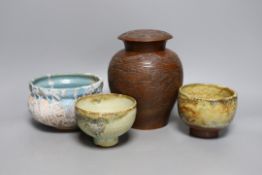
[(150, 73)]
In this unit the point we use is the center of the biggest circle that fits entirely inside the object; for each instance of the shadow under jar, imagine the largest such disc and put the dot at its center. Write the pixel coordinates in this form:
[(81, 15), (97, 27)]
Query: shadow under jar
[(150, 73)]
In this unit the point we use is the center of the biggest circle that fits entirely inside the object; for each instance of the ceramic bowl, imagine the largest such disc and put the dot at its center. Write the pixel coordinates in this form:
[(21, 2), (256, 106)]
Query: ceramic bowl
[(53, 97), (206, 108), (105, 117)]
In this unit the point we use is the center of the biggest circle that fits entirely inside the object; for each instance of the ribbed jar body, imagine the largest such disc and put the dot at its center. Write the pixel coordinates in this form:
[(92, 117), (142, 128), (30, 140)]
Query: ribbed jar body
[(152, 75)]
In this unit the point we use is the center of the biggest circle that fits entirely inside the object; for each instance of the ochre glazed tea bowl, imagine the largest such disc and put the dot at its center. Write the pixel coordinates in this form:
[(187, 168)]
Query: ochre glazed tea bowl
[(53, 97), (206, 108), (105, 117)]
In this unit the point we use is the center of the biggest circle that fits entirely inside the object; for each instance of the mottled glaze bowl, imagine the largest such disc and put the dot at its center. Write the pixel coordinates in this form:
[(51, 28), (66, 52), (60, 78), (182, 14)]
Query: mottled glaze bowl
[(53, 97), (206, 108), (105, 116)]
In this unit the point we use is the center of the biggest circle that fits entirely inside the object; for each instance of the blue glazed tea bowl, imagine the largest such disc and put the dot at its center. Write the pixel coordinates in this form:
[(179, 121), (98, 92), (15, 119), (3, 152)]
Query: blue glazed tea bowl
[(52, 99)]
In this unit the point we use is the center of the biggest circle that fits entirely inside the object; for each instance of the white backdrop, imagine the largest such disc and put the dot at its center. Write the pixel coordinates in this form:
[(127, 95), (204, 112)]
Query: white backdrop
[(217, 41)]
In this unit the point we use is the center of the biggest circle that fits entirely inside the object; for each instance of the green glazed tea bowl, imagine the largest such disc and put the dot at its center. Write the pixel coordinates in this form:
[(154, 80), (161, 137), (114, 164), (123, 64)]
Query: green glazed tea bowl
[(52, 98), (206, 108), (105, 116)]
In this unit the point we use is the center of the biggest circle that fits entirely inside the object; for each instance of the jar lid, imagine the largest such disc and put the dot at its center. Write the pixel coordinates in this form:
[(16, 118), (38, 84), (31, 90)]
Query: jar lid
[(145, 35)]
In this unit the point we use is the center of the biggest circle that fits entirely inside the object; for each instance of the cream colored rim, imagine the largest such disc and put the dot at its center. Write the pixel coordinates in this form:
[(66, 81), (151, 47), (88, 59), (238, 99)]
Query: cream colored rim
[(234, 93), (105, 113)]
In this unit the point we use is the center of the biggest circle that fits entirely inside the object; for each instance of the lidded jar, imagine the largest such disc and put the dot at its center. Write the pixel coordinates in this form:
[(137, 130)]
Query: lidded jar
[(150, 73)]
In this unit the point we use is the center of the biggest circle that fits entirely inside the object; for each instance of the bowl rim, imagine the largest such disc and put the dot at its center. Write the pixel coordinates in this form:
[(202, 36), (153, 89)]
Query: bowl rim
[(234, 93), (107, 114), (33, 85)]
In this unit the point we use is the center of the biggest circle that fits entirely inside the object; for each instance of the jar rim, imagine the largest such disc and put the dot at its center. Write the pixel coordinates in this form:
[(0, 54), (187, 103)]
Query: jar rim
[(145, 35)]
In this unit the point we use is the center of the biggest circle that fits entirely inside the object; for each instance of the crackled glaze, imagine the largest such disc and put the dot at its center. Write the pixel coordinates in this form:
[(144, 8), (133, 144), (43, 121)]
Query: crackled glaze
[(105, 126), (206, 106), (52, 103)]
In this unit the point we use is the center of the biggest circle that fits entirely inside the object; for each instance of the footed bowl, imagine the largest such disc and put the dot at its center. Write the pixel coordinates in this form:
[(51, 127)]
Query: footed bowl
[(206, 108), (52, 99), (105, 116)]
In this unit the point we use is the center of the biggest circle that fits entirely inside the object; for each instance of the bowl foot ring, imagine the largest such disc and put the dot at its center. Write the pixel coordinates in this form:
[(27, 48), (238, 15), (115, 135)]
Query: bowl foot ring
[(204, 133), (106, 142)]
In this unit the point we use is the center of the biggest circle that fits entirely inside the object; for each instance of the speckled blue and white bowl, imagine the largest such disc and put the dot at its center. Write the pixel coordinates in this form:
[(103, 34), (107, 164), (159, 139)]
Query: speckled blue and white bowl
[(52, 99)]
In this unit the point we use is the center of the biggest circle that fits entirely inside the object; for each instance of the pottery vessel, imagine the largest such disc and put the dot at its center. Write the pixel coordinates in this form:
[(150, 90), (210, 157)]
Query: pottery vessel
[(105, 117), (206, 108), (53, 97), (150, 73)]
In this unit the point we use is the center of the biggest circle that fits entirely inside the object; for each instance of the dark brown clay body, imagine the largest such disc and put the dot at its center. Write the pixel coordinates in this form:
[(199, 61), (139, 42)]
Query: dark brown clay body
[(152, 75), (204, 132)]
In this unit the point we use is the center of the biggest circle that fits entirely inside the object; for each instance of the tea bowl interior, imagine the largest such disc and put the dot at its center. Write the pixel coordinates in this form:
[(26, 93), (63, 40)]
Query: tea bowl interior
[(53, 97), (207, 92), (206, 108), (105, 103), (65, 81), (105, 116)]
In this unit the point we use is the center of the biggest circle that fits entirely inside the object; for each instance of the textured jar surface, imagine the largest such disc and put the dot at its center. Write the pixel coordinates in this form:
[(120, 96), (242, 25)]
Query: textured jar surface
[(152, 78)]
